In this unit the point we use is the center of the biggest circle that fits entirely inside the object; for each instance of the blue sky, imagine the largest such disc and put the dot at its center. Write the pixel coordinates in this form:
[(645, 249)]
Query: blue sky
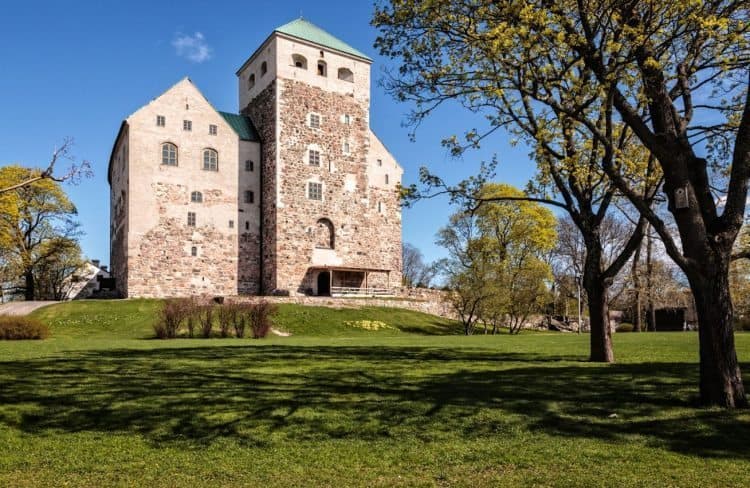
[(76, 69)]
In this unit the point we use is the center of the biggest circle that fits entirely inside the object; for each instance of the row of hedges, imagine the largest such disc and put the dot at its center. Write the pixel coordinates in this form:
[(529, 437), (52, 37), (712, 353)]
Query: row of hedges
[(230, 319), (18, 327)]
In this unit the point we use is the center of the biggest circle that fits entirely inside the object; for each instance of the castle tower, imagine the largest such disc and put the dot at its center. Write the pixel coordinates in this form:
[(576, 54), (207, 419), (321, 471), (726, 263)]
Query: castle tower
[(330, 215)]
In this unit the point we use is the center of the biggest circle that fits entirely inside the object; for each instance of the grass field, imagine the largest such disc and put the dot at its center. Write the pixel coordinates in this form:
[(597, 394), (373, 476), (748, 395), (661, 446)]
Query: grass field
[(100, 403)]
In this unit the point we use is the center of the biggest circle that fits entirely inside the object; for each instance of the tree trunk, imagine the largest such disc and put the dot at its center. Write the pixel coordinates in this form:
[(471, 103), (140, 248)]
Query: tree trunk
[(29, 291), (596, 290), (637, 291), (651, 318), (720, 377)]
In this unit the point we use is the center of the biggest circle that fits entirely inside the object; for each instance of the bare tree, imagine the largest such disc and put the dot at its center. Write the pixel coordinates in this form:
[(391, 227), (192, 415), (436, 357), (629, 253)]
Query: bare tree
[(72, 174)]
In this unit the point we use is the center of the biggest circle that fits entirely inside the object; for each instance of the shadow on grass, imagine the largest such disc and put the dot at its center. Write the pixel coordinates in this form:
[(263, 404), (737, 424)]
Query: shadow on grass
[(256, 395)]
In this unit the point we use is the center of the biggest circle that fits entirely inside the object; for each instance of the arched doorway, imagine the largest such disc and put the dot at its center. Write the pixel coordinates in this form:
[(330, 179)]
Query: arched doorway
[(324, 284)]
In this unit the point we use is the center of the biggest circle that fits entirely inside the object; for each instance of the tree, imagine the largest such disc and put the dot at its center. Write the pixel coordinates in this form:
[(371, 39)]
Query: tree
[(613, 69), (37, 225), (496, 268), (73, 173), (415, 272)]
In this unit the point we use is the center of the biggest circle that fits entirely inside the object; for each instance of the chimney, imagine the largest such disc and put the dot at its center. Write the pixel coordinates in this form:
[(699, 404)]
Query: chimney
[(104, 268), (95, 262)]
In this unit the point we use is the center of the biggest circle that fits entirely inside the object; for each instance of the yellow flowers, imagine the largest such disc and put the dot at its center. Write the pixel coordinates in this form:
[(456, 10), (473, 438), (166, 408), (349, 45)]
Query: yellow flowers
[(368, 324)]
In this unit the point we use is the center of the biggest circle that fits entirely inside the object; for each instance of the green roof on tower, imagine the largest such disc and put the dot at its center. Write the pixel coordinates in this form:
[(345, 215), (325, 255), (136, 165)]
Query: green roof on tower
[(307, 31)]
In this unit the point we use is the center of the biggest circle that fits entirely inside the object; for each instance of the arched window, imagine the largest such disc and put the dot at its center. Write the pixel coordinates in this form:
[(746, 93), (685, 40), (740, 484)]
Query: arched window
[(299, 61), (251, 82), (322, 68), (324, 234), (263, 68), (196, 197), (346, 74), (210, 160), (169, 154)]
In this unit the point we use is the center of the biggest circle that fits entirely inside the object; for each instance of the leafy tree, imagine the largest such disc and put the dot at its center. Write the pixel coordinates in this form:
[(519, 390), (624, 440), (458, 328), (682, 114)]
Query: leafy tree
[(496, 267), (37, 225), (609, 70)]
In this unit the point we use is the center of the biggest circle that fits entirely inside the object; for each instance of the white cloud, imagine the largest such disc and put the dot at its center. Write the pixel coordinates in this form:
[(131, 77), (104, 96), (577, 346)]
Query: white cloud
[(193, 48)]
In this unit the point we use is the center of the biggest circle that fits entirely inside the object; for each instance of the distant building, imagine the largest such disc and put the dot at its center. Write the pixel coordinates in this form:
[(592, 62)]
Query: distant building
[(293, 195)]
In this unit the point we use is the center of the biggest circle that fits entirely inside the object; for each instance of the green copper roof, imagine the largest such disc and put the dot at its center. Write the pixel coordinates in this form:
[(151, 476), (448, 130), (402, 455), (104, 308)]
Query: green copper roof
[(242, 125), (308, 31)]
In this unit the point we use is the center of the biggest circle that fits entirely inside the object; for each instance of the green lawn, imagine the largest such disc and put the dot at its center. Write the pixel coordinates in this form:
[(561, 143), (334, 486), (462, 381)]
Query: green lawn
[(100, 403)]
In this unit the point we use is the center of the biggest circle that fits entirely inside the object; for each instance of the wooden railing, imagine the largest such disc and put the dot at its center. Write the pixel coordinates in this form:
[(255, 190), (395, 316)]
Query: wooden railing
[(343, 291)]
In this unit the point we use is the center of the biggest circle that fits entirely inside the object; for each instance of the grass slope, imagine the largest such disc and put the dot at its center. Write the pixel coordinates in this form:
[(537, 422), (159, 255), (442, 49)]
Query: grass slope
[(100, 405)]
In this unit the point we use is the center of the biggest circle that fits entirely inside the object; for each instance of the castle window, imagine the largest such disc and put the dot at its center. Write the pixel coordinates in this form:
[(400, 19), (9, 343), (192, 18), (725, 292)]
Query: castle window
[(263, 68), (251, 81), (187, 125), (346, 75), (315, 191), (191, 219), (346, 148), (169, 154), (299, 61), (247, 225), (210, 160), (160, 121), (380, 162), (314, 157), (196, 197), (249, 165), (231, 224), (193, 251), (324, 234), (347, 120), (386, 179), (322, 68), (380, 207), (212, 130), (315, 121), (249, 196)]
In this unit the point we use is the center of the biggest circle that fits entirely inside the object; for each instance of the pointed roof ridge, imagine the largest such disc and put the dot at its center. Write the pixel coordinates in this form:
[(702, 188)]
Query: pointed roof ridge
[(302, 28)]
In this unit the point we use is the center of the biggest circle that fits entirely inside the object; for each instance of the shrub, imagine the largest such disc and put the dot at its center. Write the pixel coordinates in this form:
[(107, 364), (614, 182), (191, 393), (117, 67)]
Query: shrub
[(205, 315), (173, 313), (13, 328), (742, 323), (624, 327), (226, 314), (240, 318), (260, 318)]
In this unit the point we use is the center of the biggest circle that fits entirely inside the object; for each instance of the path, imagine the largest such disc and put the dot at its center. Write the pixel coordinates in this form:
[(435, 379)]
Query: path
[(22, 308)]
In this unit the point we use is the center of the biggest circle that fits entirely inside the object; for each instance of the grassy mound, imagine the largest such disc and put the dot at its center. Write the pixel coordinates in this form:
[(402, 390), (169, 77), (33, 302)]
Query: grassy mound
[(133, 319)]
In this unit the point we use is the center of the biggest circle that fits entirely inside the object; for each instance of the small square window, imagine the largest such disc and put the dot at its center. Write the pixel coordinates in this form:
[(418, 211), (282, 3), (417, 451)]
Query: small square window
[(212, 129), (193, 251), (191, 219), (314, 157), (249, 165), (160, 121), (315, 121), (249, 196), (231, 224), (315, 191), (187, 125)]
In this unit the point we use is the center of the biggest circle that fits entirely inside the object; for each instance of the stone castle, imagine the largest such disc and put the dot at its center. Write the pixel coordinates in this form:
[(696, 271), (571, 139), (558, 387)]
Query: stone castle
[(293, 195)]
